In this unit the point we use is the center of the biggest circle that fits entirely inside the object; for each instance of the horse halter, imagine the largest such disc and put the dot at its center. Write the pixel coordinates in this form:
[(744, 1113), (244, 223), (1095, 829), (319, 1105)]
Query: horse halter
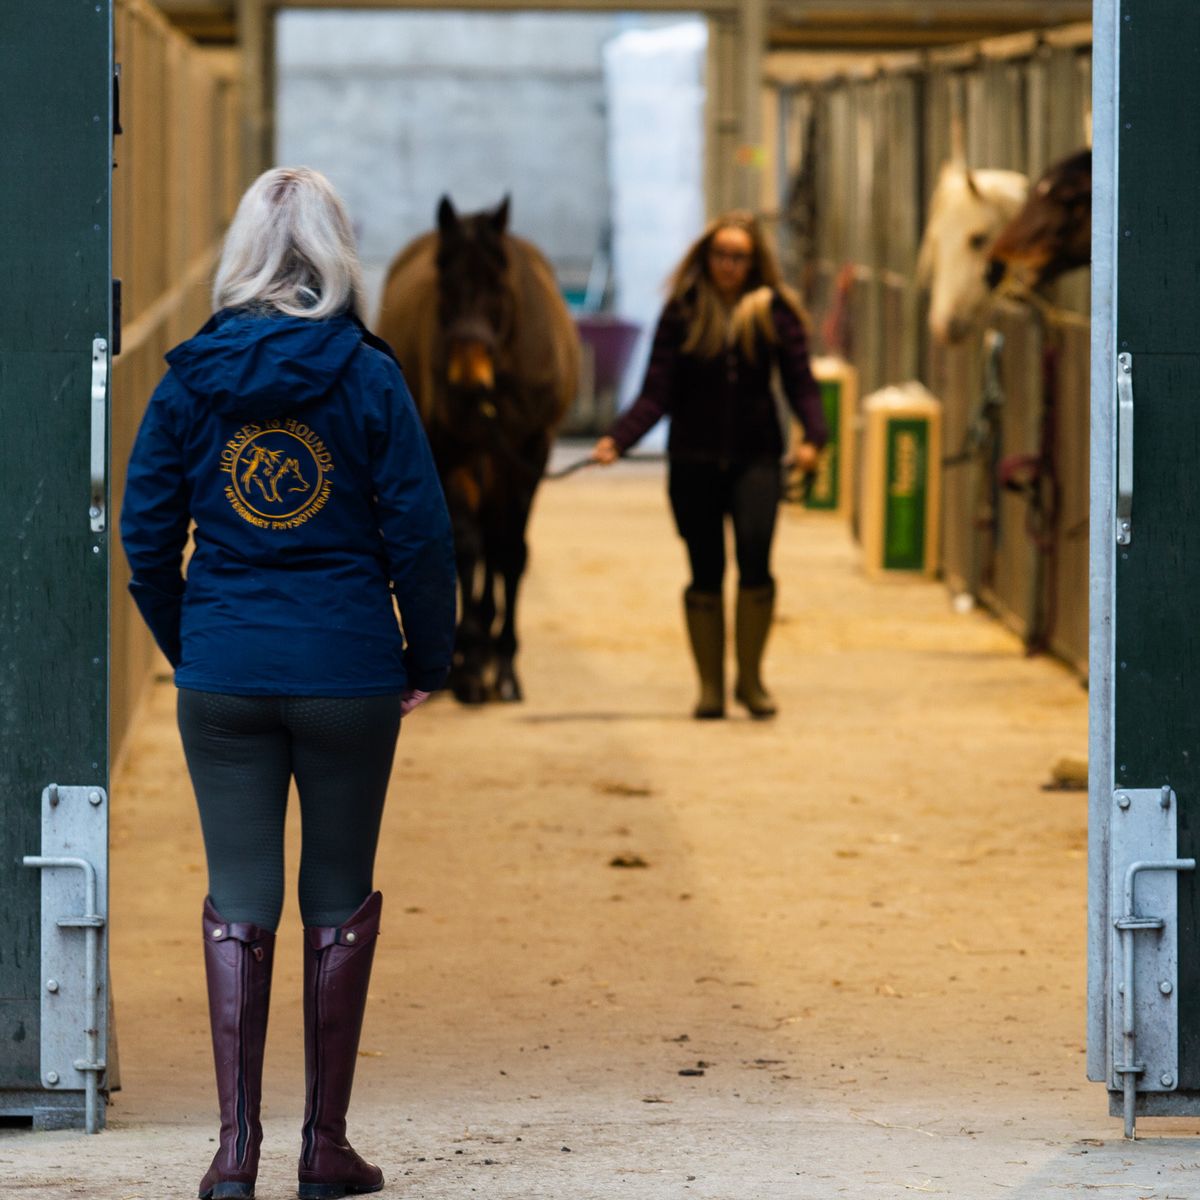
[(472, 330), (471, 344)]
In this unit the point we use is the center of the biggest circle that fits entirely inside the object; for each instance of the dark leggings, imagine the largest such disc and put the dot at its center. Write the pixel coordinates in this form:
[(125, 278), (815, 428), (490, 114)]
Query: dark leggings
[(703, 494), (242, 753)]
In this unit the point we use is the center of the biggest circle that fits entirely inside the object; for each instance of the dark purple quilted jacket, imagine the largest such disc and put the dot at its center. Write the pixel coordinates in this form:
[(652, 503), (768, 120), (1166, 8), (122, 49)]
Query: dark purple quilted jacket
[(721, 408)]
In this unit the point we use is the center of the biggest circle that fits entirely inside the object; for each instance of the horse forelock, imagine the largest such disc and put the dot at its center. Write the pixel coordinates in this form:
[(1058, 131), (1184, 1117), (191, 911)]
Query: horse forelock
[(474, 240), (473, 272)]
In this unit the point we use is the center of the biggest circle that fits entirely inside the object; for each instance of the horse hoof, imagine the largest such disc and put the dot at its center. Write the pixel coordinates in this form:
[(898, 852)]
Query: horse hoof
[(470, 691)]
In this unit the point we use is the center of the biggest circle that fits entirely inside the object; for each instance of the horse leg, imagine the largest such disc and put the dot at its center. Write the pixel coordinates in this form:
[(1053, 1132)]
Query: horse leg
[(487, 606), (466, 680), (512, 555)]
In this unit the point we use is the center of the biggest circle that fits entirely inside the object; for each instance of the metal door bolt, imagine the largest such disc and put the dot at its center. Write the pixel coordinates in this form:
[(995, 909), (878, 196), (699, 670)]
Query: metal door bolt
[(1165, 987), (1122, 800), (1167, 1080), (95, 798), (52, 985), (51, 1077)]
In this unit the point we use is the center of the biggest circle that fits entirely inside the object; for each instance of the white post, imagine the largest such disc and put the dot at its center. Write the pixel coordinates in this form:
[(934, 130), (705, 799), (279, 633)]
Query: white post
[(1105, 89), (752, 34)]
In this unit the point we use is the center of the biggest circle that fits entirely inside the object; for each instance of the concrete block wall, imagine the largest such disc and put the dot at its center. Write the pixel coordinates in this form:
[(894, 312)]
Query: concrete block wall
[(399, 108)]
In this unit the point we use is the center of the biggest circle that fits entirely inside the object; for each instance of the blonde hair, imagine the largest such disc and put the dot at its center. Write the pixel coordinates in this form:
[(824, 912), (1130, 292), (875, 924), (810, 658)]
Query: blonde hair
[(291, 248), (713, 327)]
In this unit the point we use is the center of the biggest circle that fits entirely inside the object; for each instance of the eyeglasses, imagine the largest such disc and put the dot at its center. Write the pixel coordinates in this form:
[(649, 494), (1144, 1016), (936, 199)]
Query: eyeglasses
[(737, 258)]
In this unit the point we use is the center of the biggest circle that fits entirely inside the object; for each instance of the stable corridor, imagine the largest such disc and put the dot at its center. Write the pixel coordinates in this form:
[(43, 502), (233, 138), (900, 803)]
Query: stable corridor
[(844, 957)]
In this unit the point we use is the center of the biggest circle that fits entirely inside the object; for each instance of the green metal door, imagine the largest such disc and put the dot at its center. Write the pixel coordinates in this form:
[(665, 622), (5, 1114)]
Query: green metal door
[(1145, 802), (54, 354)]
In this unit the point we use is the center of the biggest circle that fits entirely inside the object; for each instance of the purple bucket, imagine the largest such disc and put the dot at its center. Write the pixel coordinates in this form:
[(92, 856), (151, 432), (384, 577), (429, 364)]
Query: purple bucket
[(612, 341)]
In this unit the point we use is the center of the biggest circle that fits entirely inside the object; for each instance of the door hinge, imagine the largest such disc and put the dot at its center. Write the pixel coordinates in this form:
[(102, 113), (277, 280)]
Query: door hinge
[(1144, 970), (74, 980)]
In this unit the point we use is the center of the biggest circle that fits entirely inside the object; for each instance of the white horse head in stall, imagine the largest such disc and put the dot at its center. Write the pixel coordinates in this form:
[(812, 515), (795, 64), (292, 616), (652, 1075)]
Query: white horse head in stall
[(966, 214)]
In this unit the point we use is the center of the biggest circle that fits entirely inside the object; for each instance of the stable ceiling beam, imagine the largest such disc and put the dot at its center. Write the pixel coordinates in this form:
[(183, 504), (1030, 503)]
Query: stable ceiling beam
[(791, 24)]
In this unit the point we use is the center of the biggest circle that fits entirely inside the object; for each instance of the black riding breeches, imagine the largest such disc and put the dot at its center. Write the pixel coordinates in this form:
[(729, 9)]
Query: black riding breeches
[(703, 494), (242, 753)]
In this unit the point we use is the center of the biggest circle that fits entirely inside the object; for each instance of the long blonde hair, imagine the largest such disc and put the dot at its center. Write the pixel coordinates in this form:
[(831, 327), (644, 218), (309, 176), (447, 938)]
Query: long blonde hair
[(712, 326), (290, 248)]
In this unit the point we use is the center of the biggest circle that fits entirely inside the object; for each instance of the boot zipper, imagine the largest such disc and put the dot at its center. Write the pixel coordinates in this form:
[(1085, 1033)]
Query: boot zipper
[(243, 1137), (315, 1089)]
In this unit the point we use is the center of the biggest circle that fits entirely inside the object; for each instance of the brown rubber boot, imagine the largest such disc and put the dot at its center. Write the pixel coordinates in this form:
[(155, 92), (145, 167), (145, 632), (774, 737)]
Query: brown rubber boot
[(337, 969), (237, 960), (706, 632), (755, 609)]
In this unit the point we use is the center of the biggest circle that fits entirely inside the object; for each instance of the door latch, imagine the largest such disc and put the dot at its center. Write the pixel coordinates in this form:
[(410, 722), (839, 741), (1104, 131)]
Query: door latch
[(1124, 449)]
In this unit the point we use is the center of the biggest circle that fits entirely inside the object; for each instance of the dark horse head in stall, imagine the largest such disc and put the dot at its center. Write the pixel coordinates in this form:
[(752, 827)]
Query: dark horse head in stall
[(475, 305), (1052, 234), (489, 349)]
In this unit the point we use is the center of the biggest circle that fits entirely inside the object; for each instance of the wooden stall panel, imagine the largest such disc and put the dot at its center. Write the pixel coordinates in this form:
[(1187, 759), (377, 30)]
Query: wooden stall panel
[(1068, 601), (174, 192), (879, 134), (953, 372), (1014, 587), (902, 193)]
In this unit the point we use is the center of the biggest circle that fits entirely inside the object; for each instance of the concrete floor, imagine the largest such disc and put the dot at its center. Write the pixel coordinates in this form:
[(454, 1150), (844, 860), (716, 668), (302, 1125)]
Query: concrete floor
[(865, 919)]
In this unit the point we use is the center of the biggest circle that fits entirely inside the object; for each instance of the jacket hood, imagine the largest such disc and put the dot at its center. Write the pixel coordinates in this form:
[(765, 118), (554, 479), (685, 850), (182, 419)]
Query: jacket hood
[(257, 365)]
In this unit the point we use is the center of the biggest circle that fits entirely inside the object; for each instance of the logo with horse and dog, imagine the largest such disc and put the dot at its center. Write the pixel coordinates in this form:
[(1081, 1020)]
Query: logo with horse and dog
[(277, 473)]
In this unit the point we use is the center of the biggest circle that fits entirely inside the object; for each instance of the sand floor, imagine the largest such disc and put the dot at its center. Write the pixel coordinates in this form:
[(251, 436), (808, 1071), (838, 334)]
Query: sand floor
[(863, 922)]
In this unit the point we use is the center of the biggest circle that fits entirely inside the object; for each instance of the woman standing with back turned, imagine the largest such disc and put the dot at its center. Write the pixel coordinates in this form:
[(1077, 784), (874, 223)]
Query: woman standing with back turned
[(285, 431), (729, 318)]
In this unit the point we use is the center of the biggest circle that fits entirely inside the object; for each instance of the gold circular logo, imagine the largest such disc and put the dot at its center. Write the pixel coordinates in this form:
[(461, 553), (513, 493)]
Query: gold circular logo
[(277, 475)]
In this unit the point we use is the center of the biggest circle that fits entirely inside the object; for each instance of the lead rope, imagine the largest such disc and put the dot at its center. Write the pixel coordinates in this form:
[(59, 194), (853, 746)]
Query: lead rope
[(581, 464)]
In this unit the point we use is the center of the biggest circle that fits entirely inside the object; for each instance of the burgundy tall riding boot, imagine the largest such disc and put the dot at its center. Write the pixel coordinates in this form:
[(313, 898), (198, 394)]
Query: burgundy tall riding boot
[(237, 960), (337, 969)]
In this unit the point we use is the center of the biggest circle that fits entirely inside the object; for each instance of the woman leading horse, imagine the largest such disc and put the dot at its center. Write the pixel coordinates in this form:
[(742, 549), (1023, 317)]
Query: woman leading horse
[(728, 321)]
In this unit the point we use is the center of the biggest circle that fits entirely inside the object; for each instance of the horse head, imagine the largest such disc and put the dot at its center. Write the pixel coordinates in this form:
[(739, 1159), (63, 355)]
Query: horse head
[(967, 212), (1052, 233), (291, 469), (475, 303)]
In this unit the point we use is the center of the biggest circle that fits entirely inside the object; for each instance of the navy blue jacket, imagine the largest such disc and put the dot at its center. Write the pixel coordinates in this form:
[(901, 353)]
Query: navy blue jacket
[(295, 447)]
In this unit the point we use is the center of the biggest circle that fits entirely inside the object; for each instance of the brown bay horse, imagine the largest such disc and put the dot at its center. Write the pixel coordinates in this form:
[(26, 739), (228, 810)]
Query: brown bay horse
[(1052, 233), (489, 349)]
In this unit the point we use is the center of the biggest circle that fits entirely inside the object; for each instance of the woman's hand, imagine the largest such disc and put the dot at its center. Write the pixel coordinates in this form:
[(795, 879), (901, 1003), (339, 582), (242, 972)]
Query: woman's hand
[(807, 457), (605, 452), (412, 698)]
